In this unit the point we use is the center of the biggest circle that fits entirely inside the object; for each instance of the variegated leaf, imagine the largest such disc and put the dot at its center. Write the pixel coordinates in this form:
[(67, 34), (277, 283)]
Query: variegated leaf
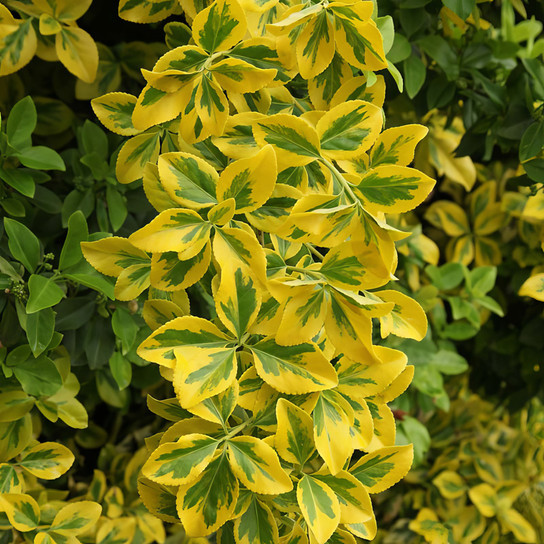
[(383, 468), (178, 463), (188, 180), (47, 460), (294, 439), (208, 502), (218, 408), (293, 369), (114, 111), (257, 466), (249, 181), (256, 525), (22, 511), (185, 331), (397, 145), (333, 417), (76, 518), (349, 129), (407, 319), (183, 231), (319, 506)]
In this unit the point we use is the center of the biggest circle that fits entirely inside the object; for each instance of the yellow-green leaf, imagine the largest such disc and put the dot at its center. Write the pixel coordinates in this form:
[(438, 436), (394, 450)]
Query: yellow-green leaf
[(449, 217), (294, 439), (319, 506), (407, 319), (249, 181), (397, 145), (78, 52), (76, 518), (393, 189), (333, 417), (383, 468), (218, 408), (178, 463), (315, 45), (349, 129), (533, 287), (14, 405), (18, 42), (293, 369), (114, 111), (257, 466), (22, 511), (257, 525), (450, 484), (134, 156), (522, 529), (184, 331), (220, 26), (188, 180), (48, 460), (180, 230), (207, 503)]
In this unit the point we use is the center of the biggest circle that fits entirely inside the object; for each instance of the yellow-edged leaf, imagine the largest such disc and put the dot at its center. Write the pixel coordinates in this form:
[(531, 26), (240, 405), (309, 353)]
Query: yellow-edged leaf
[(407, 319), (383, 468), (319, 506), (114, 111), (294, 439), (78, 52), (47, 460), (134, 156), (22, 511), (178, 463), (397, 145), (76, 518), (257, 466)]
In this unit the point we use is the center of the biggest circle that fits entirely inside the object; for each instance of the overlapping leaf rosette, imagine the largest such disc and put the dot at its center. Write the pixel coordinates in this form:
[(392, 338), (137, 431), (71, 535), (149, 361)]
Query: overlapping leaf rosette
[(271, 207)]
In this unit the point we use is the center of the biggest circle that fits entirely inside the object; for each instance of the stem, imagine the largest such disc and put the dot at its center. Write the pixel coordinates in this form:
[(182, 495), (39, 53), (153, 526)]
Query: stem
[(314, 251), (345, 184)]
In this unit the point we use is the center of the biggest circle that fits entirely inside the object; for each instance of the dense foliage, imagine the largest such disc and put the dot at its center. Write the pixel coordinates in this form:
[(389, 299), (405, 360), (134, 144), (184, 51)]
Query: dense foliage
[(237, 306)]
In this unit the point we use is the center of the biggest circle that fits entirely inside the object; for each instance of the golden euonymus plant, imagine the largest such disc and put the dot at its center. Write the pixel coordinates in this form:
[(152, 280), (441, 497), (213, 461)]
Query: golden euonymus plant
[(274, 207)]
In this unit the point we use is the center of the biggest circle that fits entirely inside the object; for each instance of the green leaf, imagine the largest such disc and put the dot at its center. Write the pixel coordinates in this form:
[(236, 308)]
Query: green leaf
[(38, 377), (463, 8), (23, 244), (117, 208), (532, 142), (21, 123), (121, 370), (41, 158), (442, 52), (43, 293), (40, 327), (124, 327), (20, 179), (77, 233), (414, 75)]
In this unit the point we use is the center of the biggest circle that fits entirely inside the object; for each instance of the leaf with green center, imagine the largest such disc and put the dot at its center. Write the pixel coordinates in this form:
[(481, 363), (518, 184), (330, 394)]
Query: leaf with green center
[(78, 52), (315, 45), (76, 518), (188, 180), (249, 181), (14, 405), (14, 437), (324, 86), (397, 145), (160, 500), (169, 273), (295, 141), (183, 231), (114, 110), (22, 511), (135, 154), (236, 248), (319, 506), (294, 439), (238, 76), (218, 408), (47, 460), (394, 189), (18, 46), (354, 500), (257, 466), (201, 372), (237, 301), (383, 468), (349, 129), (178, 463), (185, 331), (10, 480), (257, 525), (293, 369), (146, 11), (344, 268), (407, 319), (220, 26), (207, 503), (333, 417)]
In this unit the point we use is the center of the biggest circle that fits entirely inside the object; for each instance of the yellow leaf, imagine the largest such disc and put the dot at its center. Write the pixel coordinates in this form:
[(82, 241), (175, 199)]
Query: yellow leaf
[(294, 439), (450, 484), (134, 156), (18, 42), (397, 145), (397, 386), (238, 76), (449, 217), (47, 460), (384, 426), (522, 529), (407, 319), (484, 497), (533, 287), (315, 45), (114, 111), (249, 181), (78, 52), (76, 518), (22, 511), (356, 88), (257, 466), (319, 506)]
